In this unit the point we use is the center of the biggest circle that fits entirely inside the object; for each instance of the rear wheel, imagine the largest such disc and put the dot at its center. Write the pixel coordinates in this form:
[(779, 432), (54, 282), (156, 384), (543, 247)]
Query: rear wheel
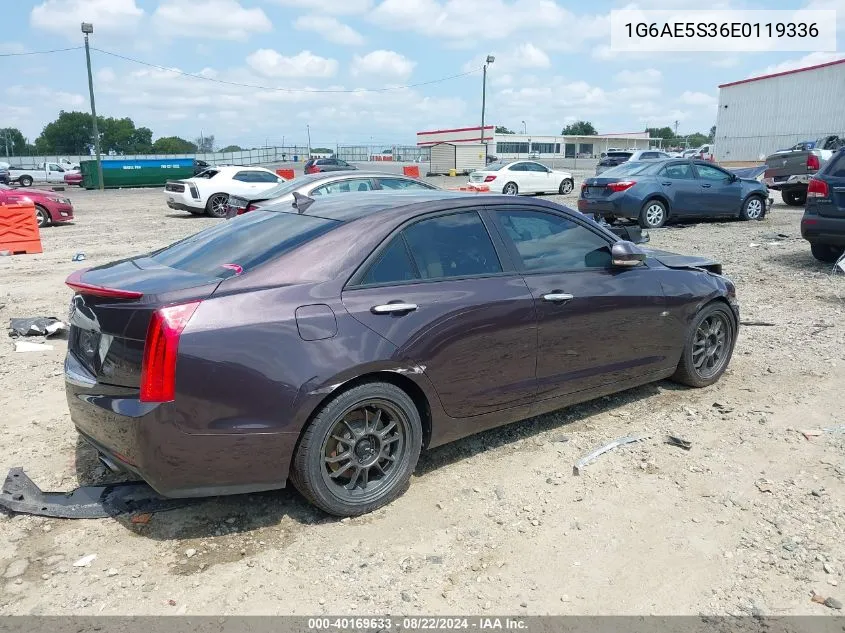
[(794, 197), (753, 209), (359, 451), (653, 215), (708, 347), (566, 187), (826, 253), (42, 216), (510, 189), (25, 181), (216, 206)]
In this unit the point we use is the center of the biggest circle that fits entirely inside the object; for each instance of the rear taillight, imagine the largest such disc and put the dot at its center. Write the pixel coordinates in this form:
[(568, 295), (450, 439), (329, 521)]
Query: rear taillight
[(813, 162), (489, 178), (622, 185), (817, 189), (74, 282), (158, 368)]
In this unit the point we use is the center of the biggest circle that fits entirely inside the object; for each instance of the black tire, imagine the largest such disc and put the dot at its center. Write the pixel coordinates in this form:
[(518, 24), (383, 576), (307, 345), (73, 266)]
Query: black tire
[(825, 252), (216, 205), (754, 208), (42, 216), (510, 189), (653, 215), (794, 197), (25, 181), (323, 476), (702, 347), (566, 187)]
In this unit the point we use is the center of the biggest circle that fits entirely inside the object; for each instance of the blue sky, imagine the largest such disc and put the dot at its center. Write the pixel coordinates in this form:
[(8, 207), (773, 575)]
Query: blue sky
[(553, 66)]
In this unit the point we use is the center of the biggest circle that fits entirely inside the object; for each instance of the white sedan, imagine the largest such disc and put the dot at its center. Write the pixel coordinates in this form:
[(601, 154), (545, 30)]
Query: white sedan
[(522, 176), (209, 191)]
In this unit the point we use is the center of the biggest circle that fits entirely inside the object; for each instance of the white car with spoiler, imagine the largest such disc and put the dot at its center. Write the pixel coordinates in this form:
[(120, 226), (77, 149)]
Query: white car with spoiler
[(522, 176), (208, 192)]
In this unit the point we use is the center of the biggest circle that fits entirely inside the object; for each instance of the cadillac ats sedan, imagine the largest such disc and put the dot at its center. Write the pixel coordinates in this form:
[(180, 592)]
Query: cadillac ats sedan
[(329, 343)]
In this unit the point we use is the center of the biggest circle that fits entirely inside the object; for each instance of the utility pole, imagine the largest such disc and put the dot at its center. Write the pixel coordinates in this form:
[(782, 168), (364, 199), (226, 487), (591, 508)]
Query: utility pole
[(88, 28), (308, 128), (490, 59)]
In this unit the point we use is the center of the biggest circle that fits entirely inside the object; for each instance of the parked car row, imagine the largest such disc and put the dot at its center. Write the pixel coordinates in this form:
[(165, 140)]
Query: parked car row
[(208, 192)]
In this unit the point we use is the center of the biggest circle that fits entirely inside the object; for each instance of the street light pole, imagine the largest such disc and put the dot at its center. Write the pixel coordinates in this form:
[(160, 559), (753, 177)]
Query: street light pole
[(524, 128), (308, 128), (88, 28), (490, 59)]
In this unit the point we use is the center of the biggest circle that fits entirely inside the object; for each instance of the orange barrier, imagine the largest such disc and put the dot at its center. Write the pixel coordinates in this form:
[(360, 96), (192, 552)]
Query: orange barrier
[(411, 171), (287, 174), (19, 228)]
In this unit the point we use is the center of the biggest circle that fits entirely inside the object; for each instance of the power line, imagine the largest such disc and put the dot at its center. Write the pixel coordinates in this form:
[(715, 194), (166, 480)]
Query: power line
[(304, 90), (55, 50)]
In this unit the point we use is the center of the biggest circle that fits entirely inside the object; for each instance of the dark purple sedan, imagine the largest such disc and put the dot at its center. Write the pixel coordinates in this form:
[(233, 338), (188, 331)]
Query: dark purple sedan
[(328, 343)]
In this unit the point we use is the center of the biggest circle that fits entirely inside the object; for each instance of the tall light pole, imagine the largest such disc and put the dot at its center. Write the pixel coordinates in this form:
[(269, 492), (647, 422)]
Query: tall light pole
[(308, 129), (524, 128), (88, 28), (490, 59)]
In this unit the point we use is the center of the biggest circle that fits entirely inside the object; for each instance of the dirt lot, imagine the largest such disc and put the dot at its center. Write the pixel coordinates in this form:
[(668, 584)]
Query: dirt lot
[(751, 520)]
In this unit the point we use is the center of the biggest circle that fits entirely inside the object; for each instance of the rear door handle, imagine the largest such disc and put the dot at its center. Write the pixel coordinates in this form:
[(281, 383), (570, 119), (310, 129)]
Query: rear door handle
[(665, 184), (558, 296), (393, 308), (705, 185)]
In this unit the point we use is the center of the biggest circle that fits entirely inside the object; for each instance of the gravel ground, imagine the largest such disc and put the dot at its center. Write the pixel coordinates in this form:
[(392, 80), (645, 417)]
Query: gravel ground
[(751, 520)]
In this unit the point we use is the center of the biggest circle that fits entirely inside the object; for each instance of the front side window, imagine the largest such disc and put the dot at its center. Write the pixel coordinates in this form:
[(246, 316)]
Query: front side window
[(679, 171), (535, 167), (706, 172), (518, 167), (550, 243)]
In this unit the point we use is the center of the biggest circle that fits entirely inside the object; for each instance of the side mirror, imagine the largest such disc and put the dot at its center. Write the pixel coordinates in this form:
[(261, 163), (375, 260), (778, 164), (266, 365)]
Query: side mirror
[(626, 254), (734, 178)]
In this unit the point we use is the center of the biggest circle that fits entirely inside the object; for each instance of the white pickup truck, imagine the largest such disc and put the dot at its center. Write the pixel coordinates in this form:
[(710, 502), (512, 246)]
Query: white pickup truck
[(43, 172)]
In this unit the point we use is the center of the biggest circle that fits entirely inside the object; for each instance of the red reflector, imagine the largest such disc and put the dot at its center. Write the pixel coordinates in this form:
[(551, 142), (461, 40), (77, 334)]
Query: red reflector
[(622, 185), (158, 368), (817, 189), (74, 283), (489, 179), (808, 221), (813, 162)]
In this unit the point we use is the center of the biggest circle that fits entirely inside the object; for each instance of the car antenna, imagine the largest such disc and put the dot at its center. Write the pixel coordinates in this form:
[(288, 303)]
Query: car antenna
[(301, 203)]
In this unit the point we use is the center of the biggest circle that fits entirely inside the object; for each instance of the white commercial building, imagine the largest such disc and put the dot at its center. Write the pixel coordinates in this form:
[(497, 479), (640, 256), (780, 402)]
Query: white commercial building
[(761, 115), (534, 145)]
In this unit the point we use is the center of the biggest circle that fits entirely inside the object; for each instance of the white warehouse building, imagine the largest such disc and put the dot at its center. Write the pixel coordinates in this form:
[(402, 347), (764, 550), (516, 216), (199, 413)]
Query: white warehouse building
[(761, 115), (512, 146)]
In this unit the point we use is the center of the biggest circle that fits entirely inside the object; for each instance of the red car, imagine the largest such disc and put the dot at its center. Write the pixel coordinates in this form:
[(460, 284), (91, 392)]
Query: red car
[(50, 208), (73, 178)]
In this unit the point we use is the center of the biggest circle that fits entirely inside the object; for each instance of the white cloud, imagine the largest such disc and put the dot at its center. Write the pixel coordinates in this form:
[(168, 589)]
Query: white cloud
[(270, 63), (105, 75), (529, 56), (58, 98), (388, 64), (813, 59), (698, 99), (64, 16), (12, 47), (330, 29), (836, 5), (635, 77), (212, 19), (335, 7), (725, 62)]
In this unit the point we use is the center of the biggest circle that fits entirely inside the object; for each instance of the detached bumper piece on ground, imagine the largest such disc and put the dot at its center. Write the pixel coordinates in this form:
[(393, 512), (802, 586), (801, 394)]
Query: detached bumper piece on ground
[(20, 494)]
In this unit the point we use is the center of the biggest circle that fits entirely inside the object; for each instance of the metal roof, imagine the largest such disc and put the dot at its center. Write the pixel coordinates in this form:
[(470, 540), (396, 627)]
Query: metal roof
[(781, 74)]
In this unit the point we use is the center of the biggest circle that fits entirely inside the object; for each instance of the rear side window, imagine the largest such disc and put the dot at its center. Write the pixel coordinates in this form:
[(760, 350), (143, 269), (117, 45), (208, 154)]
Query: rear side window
[(402, 183), (394, 265), (681, 171), (349, 185), (243, 243)]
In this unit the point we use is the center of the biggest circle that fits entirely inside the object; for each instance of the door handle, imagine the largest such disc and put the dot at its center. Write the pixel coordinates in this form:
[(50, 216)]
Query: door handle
[(666, 184), (705, 185), (557, 296), (392, 308)]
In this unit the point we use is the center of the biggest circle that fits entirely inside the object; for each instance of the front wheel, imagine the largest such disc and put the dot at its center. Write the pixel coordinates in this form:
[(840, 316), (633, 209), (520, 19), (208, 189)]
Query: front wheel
[(826, 253), (708, 347), (653, 215), (510, 189), (42, 217), (566, 187), (217, 205), (359, 451), (753, 209)]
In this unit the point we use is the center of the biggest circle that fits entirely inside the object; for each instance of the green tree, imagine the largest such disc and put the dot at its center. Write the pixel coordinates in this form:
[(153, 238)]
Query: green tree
[(71, 133), (579, 128), (501, 129), (326, 150), (173, 145), (665, 133), (712, 136), (12, 142), (697, 139), (121, 136), (232, 148)]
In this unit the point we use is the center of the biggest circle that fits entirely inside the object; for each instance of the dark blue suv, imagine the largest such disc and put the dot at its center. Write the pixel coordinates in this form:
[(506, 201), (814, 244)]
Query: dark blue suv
[(823, 224)]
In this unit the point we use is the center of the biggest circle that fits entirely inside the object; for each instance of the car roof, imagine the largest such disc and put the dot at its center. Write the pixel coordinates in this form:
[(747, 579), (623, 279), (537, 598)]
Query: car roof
[(226, 169)]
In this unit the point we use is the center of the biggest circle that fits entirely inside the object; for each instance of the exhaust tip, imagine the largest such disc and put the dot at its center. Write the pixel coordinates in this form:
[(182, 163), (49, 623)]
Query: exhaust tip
[(105, 461)]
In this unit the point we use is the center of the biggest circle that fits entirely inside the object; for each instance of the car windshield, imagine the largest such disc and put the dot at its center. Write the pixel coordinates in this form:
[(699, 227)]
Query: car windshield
[(243, 243), (644, 168)]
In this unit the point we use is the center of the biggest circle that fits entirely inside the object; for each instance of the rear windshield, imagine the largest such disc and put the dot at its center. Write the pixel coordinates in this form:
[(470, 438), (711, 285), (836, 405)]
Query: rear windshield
[(620, 154), (241, 244), (643, 168), (495, 166), (208, 173)]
